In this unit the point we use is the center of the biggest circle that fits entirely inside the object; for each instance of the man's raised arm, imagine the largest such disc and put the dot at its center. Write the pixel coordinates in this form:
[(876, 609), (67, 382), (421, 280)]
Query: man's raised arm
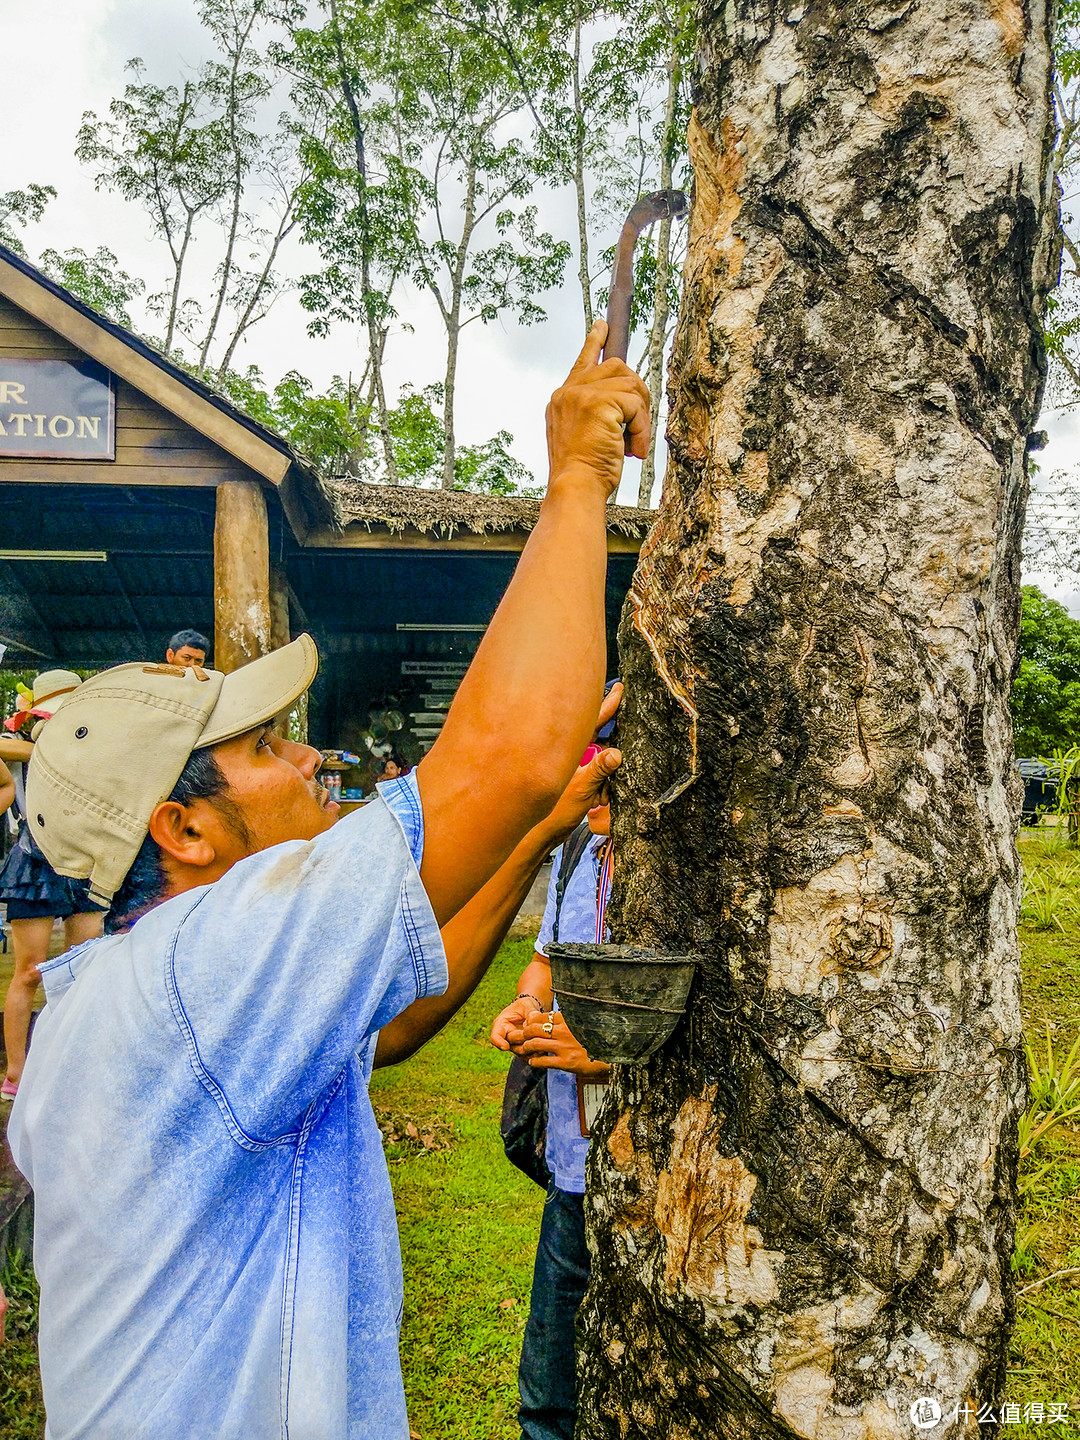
[(524, 711)]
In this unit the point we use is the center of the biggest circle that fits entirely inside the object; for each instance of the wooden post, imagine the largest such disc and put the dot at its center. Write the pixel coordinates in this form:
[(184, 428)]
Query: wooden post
[(280, 633), (241, 575)]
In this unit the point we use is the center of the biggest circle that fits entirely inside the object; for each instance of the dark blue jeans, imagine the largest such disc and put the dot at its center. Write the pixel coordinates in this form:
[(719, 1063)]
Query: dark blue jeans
[(546, 1378)]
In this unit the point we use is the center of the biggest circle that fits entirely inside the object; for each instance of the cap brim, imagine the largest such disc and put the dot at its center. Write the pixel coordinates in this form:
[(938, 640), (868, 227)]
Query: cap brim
[(257, 692)]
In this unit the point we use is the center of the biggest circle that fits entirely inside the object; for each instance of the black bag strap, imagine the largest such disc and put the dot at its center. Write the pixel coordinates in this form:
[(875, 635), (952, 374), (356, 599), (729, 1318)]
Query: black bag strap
[(574, 848)]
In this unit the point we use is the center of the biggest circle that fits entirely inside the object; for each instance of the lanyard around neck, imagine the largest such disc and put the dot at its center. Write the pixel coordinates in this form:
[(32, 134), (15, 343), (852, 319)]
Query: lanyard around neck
[(603, 887)]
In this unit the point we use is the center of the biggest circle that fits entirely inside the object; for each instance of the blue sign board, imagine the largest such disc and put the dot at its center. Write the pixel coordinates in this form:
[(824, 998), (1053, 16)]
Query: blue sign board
[(57, 410)]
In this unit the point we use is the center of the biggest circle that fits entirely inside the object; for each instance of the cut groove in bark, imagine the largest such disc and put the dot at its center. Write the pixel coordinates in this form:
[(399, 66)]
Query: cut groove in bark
[(801, 1210)]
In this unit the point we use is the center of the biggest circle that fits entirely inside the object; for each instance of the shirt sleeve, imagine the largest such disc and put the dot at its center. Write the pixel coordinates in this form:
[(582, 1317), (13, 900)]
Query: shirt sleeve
[(547, 924), (283, 969)]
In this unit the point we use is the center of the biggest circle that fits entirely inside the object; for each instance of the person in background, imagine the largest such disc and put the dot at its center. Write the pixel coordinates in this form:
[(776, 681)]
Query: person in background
[(7, 788), (188, 648), (35, 895), (391, 770), (7, 797), (547, 1381)]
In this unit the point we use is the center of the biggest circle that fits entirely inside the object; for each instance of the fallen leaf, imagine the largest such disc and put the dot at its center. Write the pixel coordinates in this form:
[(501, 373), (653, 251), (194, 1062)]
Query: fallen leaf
[(507, 1304), (411, 1131)]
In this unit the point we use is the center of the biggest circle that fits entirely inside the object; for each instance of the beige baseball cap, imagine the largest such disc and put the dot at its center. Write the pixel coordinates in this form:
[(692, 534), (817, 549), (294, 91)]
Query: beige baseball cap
[(115, 748)]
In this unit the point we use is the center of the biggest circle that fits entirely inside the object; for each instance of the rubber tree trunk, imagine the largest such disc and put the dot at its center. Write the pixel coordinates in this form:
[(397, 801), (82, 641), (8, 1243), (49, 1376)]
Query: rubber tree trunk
[(802, 1209)]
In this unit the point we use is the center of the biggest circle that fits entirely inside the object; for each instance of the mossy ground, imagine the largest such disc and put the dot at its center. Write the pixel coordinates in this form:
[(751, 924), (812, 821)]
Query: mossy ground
[(469, 1221)]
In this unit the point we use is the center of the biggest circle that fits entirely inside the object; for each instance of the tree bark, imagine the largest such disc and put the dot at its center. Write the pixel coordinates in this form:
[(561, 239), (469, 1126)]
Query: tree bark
[(801, 1210), (452, 320)]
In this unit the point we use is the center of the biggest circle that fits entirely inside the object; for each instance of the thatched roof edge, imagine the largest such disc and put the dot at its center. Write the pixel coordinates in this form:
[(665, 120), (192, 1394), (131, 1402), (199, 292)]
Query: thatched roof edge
[(442, 512)]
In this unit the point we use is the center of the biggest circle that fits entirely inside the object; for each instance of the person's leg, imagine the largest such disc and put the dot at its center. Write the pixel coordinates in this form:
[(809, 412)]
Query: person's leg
[(31, 941), (546, 1376), (82, 927)]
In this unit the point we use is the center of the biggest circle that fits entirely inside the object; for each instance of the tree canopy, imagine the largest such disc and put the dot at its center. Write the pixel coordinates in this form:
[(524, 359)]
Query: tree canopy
[(1046, 691), (414, 149)]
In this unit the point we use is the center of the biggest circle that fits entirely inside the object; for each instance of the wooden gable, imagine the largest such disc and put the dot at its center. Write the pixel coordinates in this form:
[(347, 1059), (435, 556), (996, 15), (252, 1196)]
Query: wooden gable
[(153, 446)]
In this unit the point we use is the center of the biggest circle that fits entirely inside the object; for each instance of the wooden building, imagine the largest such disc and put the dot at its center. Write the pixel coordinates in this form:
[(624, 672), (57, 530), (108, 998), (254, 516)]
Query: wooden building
[(136, 501)]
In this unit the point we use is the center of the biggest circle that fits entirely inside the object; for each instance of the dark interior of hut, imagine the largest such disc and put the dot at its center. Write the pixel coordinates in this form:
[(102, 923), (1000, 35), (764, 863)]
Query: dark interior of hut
[(395, 627)]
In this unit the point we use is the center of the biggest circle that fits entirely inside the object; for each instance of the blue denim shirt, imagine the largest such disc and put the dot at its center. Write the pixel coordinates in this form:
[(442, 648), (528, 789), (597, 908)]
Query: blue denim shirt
[(565, 1147), (214, 1230)]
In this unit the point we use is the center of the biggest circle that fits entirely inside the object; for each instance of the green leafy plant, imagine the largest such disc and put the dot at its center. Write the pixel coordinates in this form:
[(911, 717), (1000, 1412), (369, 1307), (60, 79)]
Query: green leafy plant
[(1026, 1252), (1045, 902), (1054, 1081)]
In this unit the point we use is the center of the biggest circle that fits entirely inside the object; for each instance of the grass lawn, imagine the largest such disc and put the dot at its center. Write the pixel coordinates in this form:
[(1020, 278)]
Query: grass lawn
[(1044, 1364), (469, 1221)]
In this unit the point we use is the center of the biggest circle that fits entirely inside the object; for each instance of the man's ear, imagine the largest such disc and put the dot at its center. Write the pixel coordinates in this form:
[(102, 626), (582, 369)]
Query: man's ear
[(179, 831), (170, 657)]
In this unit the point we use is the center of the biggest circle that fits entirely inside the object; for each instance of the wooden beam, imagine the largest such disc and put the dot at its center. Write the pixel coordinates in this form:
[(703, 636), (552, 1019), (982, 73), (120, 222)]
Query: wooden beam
[(86, 472), (293, 505), (109, 350), (241, 575), (381, 537), (279, 607)]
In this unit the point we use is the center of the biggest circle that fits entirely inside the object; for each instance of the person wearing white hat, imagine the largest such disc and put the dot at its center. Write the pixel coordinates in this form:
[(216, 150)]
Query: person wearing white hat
[(215, 1238), (34, 895)]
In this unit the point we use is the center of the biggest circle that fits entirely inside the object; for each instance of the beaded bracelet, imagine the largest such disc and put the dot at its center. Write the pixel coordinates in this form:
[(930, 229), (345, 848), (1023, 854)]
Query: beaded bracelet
[(524, 995)]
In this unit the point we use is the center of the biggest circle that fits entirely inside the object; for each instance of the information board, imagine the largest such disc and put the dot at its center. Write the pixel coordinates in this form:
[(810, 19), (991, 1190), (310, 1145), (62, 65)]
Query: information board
[(57, 410)]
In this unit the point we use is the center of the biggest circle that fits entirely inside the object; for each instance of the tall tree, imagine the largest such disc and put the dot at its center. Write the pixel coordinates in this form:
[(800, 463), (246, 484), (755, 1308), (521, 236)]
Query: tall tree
[(357, 207), (606, 91), (159, 148), (203, 160), (802, 1208), (478, 251)]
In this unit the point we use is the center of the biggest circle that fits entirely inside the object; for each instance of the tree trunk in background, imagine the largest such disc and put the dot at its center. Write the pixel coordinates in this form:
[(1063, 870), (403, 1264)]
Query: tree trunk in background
[(659, 331), (802, 1209)]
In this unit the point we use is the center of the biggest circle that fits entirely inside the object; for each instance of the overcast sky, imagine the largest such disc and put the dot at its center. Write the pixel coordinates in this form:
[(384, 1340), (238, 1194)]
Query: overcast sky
[(68, 56)]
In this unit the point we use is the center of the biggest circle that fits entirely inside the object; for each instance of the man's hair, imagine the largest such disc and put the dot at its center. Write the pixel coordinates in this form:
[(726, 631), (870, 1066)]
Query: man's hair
[(192, 639), (144, 884)]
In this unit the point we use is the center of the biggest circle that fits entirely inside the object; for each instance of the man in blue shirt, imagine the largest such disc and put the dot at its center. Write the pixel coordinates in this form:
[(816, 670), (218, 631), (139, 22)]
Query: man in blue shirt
[(215, 1236)]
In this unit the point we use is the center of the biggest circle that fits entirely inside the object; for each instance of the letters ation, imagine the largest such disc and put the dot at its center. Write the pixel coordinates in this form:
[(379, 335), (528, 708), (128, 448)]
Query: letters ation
[(59, 426), (39, 411)]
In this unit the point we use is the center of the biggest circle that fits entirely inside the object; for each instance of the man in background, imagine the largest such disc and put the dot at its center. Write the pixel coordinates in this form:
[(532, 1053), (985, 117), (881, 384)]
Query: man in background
[(188, 648)]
